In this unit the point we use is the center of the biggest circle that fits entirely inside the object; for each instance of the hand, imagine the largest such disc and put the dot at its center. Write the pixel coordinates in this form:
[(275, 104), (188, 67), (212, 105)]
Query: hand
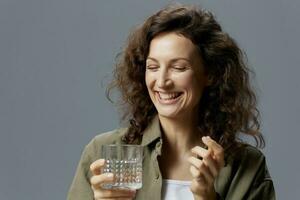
[(206, 170), (98, 179)]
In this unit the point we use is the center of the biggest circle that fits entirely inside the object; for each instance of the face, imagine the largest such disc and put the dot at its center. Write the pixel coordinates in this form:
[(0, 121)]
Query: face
[(175, 75)]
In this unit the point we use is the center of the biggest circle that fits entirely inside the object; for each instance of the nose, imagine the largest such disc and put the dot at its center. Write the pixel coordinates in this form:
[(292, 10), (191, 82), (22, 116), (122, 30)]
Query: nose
[(163, 79)]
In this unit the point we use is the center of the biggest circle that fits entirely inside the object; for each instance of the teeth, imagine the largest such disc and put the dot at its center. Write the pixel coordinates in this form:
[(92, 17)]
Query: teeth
[(168, 96)]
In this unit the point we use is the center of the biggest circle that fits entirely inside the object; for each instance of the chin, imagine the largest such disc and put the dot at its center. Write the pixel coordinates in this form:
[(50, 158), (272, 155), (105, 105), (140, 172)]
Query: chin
[(168, 113)]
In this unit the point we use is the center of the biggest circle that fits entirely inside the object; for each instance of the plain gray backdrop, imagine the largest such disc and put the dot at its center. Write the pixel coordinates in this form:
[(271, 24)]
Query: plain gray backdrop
[(56, 57)]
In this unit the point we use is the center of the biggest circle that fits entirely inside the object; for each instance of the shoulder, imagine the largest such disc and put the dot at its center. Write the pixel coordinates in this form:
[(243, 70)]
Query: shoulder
[(92, 150), (245, 154), (246, 169), (111, 137), (251, 162), (245, 175), (253, 153), (256, 159)]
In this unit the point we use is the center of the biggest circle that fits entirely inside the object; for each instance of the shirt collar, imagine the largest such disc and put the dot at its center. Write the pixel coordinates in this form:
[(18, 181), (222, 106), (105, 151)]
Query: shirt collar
[(152, 132)]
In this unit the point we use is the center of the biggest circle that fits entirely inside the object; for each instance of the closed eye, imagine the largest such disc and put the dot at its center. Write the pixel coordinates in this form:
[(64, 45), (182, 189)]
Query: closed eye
[(180, 68), (152, 67)]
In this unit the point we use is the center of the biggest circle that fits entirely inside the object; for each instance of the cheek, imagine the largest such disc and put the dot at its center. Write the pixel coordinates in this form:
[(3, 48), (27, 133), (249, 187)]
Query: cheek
[(149, 80), (185, 81), (191, 85)]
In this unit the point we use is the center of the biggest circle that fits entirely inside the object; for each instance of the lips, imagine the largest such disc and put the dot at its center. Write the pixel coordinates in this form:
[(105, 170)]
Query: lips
[(168, 97)]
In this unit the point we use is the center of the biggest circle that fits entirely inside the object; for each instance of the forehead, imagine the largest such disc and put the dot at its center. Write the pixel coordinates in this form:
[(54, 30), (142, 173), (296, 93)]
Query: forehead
[(172, 45)]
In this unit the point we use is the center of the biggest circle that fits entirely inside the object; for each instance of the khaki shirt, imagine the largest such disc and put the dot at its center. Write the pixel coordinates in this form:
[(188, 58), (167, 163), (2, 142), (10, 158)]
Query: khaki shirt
[(243, 177)]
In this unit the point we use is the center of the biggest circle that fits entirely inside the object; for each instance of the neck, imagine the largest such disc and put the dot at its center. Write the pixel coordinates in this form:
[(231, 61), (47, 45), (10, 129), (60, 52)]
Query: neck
[(180, 134)]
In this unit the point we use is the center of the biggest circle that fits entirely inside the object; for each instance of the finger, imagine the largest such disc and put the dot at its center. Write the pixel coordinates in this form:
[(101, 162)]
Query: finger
[(207, 158), (212, 164), (199, 151), (114, 194), (194, 171), (114, 198), (119, 193), (212, 144), (196, 174), (218, 151), (195, 162), (201, 168), (98, 180), (121, 198), (198, 187), (96, 166)]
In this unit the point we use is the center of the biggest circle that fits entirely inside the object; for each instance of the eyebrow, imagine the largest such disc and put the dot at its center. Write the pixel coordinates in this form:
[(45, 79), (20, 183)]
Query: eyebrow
[(172, 60)]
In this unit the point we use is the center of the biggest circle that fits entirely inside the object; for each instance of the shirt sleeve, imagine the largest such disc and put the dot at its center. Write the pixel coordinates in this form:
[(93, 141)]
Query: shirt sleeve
[(80, 188), (262, 187), (250, 177), (263, 191)]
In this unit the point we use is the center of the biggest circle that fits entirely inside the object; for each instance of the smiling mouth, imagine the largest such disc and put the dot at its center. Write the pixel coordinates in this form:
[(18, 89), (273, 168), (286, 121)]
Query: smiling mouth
[(168, 98)]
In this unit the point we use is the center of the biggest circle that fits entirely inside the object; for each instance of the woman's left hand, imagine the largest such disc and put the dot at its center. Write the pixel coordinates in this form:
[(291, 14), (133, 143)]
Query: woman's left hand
[(205, 168)]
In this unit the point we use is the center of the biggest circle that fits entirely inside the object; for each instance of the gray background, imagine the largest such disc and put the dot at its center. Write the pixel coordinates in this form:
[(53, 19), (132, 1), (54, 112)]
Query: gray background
[(56, 57)]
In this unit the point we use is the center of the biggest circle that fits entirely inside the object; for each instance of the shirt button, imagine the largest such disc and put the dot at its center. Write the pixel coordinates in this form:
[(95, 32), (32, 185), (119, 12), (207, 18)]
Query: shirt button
[(158, 145), (157, 176)]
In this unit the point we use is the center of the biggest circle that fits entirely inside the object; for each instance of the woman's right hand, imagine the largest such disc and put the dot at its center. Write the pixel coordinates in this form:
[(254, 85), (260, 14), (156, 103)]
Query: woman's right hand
[(98, 179)]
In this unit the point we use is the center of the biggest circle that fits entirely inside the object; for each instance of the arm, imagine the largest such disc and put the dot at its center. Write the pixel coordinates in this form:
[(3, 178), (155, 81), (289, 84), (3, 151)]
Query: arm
[(251, 179), (88, 179), (80, 188), (205, 169), (262, 187)]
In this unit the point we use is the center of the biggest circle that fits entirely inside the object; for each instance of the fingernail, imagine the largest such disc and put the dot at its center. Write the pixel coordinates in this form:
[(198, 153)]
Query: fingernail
[(206, 137), (110, 175)]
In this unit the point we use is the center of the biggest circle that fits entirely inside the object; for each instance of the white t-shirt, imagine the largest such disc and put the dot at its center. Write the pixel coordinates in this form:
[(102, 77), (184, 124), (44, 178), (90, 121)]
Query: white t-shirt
[(176, 190)]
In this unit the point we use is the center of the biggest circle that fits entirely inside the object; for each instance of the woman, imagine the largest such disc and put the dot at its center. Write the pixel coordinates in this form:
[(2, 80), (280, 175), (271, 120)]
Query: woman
[(185, 90)]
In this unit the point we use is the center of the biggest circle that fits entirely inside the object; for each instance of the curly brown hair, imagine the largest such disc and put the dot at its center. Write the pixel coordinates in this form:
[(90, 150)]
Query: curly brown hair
[(228, 104)]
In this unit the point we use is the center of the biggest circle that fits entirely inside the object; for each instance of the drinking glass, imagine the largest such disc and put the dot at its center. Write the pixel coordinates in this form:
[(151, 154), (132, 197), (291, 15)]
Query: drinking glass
[(125, 162)]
